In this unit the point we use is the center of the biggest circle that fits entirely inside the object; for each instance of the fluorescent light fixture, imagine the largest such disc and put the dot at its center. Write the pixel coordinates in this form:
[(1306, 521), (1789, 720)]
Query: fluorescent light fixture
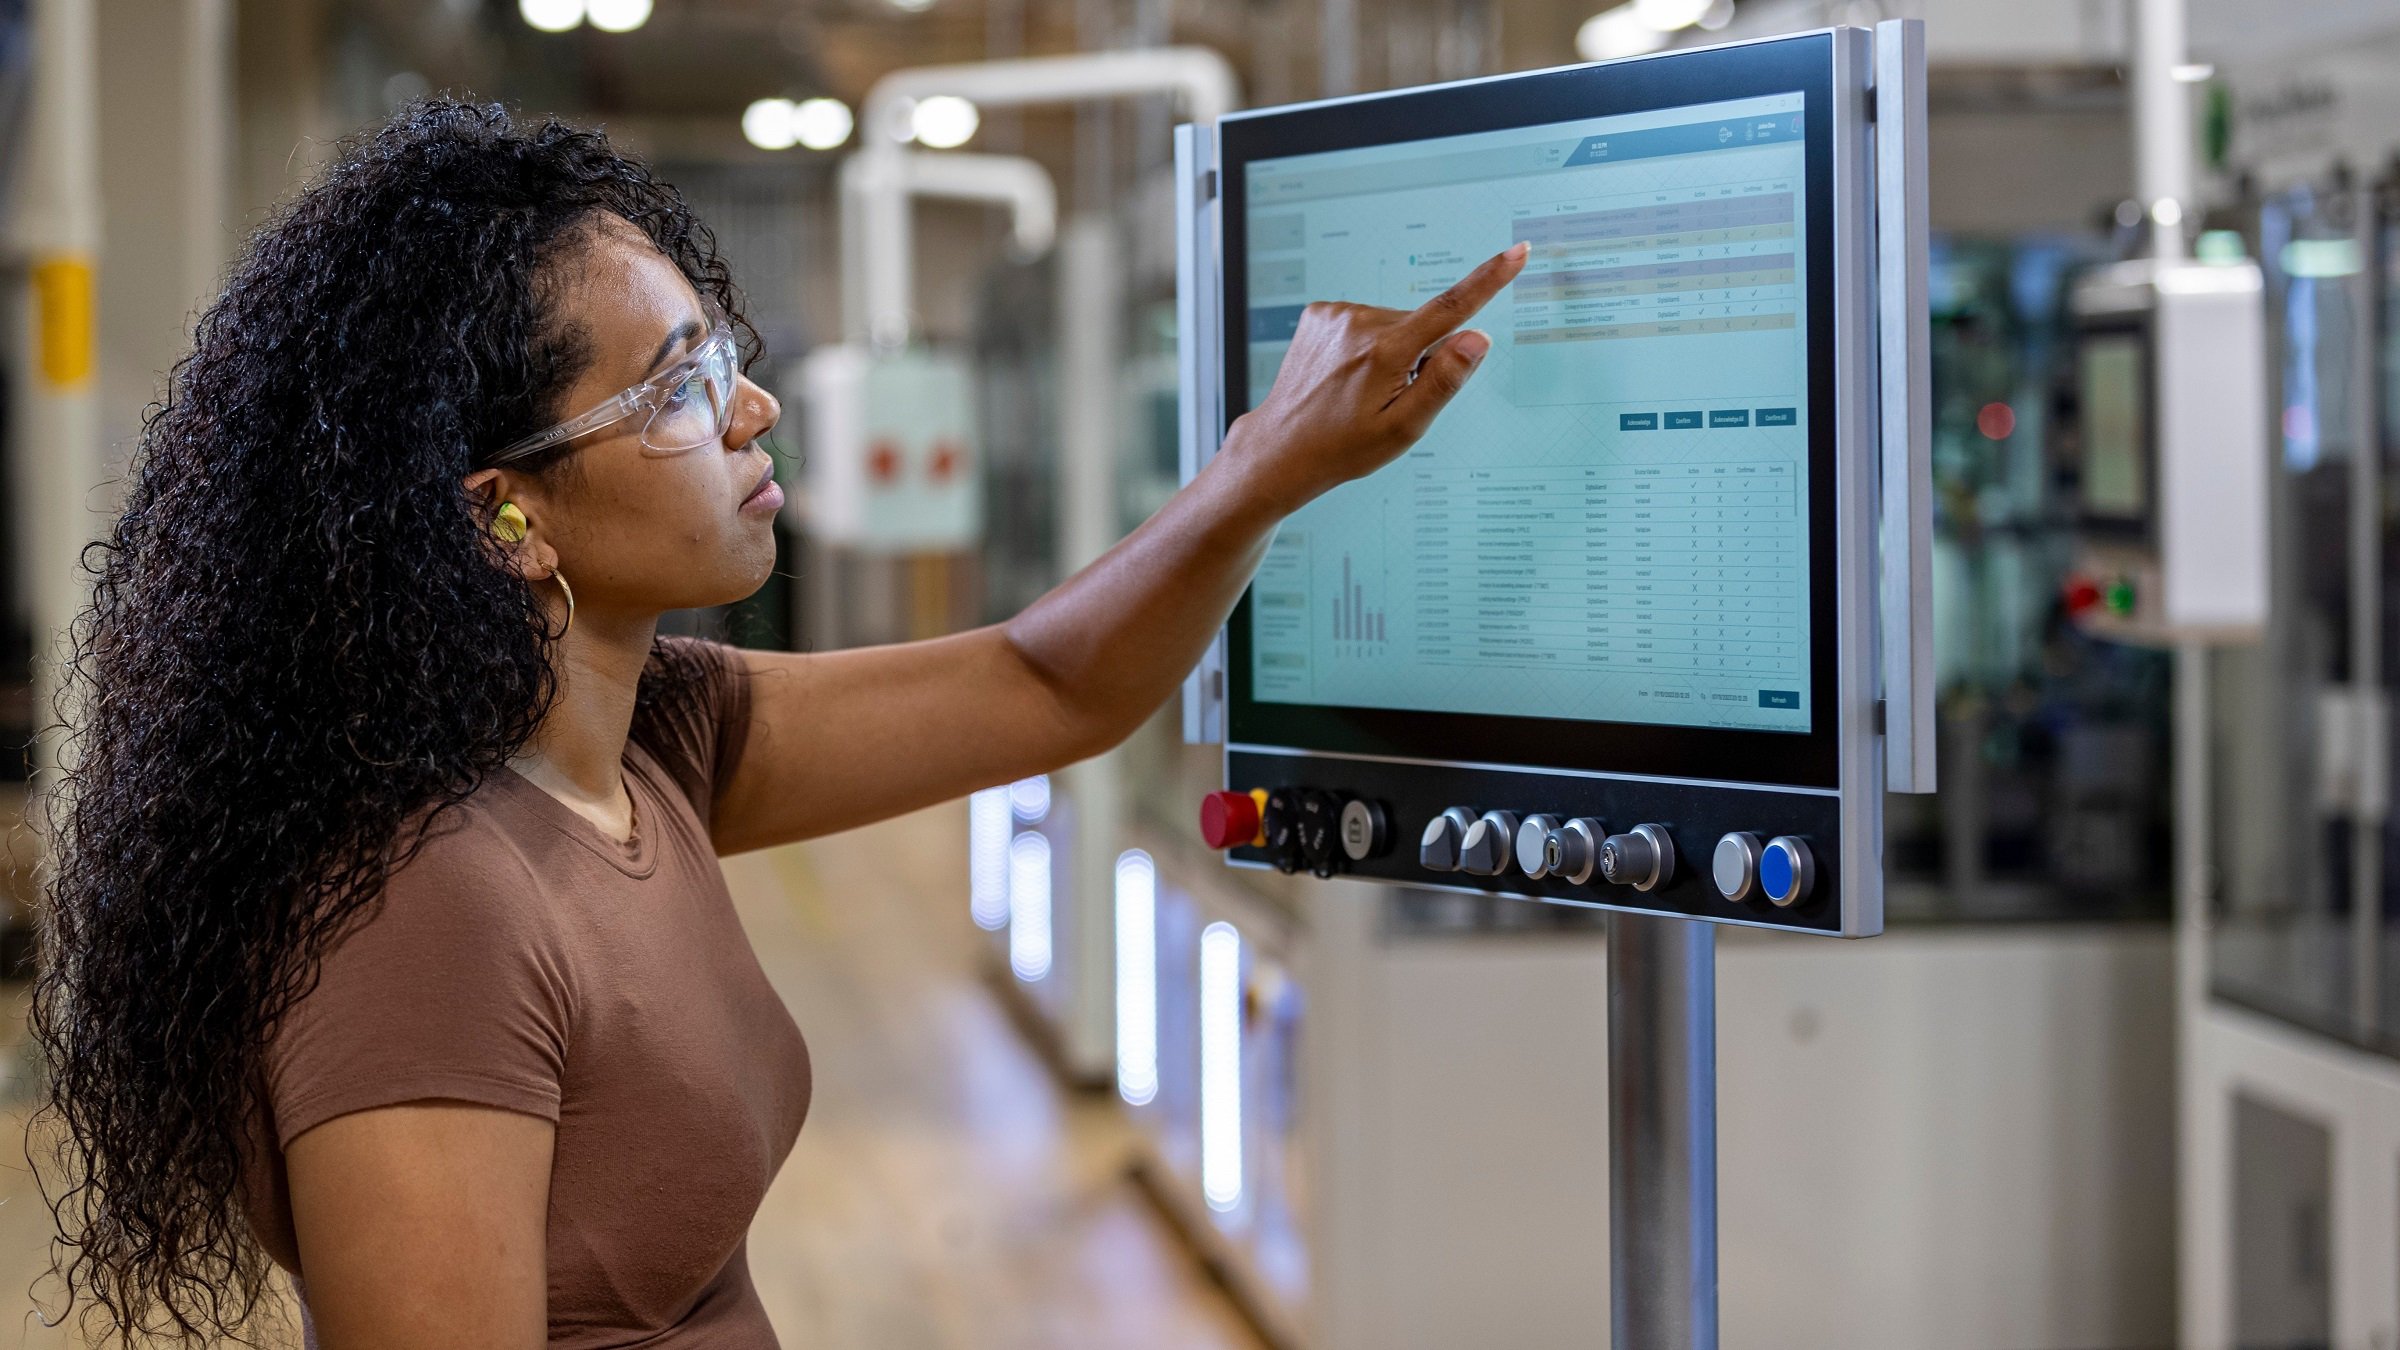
[(551, 16), (987, 858), (1221, 1066), (1668, 16), (912, 6), (1137, 977), (2167, 211), (1718, 17), (2317, 259), (767, 124), (619, 16), (1029, 906), (1030, 798), (1616, 32), (821, 123), (2193, 72), (945, 121), (2220, 247)]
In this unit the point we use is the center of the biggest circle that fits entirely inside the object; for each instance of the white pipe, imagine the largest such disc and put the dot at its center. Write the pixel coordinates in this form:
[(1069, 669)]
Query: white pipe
[(2162, 127), (56, 234), (878, 276), (878, 231)]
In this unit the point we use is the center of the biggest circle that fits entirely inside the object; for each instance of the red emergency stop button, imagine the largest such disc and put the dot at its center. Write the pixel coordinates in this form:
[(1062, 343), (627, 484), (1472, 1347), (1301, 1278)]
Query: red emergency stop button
[(2083, 594), (1230, 819)]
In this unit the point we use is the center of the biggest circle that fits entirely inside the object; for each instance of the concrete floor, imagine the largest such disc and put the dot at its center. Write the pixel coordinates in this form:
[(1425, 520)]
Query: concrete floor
[(944, 1193)]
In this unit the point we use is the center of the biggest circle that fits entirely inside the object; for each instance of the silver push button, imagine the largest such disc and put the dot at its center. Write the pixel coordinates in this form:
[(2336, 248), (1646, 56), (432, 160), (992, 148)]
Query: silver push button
[(1786, 870), (1366, 829), (1643, 858), (1533, 845), (1445, 834), (1735, 866), (1490, 845)]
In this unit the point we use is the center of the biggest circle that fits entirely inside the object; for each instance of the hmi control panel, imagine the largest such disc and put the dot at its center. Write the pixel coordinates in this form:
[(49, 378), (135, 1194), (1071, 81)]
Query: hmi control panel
[(1639, 622)]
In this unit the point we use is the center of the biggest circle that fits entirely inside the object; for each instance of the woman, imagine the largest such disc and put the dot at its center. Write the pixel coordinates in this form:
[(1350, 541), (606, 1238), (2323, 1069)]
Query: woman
[(388, 942)]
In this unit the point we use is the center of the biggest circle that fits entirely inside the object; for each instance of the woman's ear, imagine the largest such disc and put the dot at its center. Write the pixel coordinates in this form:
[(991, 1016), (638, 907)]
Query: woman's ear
[(517, 531)]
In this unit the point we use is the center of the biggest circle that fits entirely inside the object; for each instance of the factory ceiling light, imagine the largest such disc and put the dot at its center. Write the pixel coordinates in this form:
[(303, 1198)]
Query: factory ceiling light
[(1616, 32), (821, 123), (945, 121), (619, 16), (767, 124), (551, 16)]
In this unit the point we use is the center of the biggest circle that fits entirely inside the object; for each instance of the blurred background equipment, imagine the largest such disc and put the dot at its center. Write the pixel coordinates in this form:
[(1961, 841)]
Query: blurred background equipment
[(2124, 1071)]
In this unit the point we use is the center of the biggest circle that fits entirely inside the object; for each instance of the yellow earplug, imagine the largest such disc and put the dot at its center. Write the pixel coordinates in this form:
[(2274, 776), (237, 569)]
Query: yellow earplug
[(509, 523)]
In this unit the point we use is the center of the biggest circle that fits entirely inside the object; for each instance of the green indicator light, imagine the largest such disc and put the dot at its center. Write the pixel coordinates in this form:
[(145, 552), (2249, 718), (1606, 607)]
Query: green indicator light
[(2120, 597)]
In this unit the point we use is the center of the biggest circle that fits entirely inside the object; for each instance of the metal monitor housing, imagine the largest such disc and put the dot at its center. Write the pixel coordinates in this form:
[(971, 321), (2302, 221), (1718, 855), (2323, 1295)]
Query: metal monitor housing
[(1882, 699)]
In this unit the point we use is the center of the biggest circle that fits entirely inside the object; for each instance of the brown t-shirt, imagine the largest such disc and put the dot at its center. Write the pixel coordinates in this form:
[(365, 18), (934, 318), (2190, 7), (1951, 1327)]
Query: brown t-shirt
[(526, 961)]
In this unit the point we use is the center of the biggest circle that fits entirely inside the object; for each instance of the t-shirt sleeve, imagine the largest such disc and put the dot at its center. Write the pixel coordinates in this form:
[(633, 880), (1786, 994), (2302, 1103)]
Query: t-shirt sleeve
[(454, 987), (696, 715)]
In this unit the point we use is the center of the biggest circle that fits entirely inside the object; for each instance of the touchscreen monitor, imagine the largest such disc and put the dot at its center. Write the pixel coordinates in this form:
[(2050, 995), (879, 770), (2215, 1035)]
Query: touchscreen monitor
[(1610, 524)]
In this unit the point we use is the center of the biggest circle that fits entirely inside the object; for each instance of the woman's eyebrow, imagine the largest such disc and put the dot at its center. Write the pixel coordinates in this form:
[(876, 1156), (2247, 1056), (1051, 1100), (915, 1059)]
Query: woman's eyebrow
[(682, 333)]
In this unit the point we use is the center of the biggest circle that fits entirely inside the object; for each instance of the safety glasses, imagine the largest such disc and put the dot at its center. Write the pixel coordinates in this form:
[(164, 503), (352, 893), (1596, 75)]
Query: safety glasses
[(689, 405)]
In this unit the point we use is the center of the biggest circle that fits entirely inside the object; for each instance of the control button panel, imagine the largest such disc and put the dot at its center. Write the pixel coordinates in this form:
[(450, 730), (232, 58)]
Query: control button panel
[(1761, 856), (1787, 870), (1642, 857), (1734, 866)]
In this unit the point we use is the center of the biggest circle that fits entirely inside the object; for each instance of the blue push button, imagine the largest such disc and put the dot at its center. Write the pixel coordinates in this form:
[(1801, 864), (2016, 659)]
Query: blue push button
[(1786, 870), (1637, 421), (1729, 417), (1779, 417), (1683, 421), (1779, 698)]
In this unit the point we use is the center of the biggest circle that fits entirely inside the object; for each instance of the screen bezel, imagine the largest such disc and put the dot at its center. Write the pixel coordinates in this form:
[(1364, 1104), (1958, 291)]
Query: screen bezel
[(1803, 65)]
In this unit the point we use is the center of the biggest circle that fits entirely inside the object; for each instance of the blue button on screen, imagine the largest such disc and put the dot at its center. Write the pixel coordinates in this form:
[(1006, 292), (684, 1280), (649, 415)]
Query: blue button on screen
[(1637, 421), (1779, 417), (1779, 698), (1729, 417), (1683, 421), (1775, 872)]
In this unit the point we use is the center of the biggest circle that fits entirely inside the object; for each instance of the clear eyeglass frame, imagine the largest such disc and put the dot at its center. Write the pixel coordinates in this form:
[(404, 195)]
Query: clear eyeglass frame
[(689, 404)]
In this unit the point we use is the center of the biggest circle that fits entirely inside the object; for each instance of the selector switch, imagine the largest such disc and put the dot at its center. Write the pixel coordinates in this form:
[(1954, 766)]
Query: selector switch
[(1735, 866), (1643, 858), (1572, 851), (1787, 871), (1444, 840), (1366, 830), (1533, 845), (1490, 844), (1280, 822), (1320, 814)]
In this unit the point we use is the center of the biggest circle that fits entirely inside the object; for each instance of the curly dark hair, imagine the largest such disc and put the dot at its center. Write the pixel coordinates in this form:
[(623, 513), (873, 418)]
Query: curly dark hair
[(301, 648)]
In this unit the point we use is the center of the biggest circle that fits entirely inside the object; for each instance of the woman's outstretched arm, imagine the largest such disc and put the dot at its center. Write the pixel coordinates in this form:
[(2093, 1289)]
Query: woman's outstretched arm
[(842, 738)]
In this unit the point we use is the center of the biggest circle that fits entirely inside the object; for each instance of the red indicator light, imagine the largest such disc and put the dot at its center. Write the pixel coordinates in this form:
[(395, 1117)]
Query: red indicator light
[(1996, 421), (2083, 594)]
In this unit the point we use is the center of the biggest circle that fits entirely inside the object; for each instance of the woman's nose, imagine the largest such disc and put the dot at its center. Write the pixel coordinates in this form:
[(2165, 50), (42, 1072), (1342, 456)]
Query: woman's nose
[(755, 413)]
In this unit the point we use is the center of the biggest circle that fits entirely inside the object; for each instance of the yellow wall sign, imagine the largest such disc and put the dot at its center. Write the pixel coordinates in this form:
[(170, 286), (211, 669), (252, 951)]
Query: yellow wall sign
[(63, 301)]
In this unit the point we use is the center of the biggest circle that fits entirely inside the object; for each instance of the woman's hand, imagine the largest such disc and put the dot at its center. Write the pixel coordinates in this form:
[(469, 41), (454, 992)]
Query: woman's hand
[(838, 739), (1359, 385)]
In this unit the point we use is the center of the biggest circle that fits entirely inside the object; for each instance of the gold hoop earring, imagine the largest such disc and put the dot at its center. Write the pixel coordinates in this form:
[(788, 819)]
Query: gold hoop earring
[(569, 592)]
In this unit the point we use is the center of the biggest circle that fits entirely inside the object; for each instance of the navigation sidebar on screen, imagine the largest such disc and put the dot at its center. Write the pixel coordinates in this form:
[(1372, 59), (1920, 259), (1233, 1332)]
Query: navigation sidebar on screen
[(1611, 522)]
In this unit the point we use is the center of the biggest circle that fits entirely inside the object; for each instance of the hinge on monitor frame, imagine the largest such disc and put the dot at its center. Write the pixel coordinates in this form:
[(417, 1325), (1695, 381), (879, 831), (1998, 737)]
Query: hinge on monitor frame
[(1208, 185), (1870, 103)]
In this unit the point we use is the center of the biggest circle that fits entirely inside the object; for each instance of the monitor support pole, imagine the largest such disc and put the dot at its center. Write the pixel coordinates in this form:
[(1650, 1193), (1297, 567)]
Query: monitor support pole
[(1662, 1133)]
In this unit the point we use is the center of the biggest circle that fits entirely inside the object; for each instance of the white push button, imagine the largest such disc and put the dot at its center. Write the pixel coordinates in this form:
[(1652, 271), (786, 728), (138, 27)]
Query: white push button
[(1786, 870), (1735, 866)]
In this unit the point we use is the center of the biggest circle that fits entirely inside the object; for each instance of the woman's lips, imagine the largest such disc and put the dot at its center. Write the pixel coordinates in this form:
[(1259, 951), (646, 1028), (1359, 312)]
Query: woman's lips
[(767, 496)]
